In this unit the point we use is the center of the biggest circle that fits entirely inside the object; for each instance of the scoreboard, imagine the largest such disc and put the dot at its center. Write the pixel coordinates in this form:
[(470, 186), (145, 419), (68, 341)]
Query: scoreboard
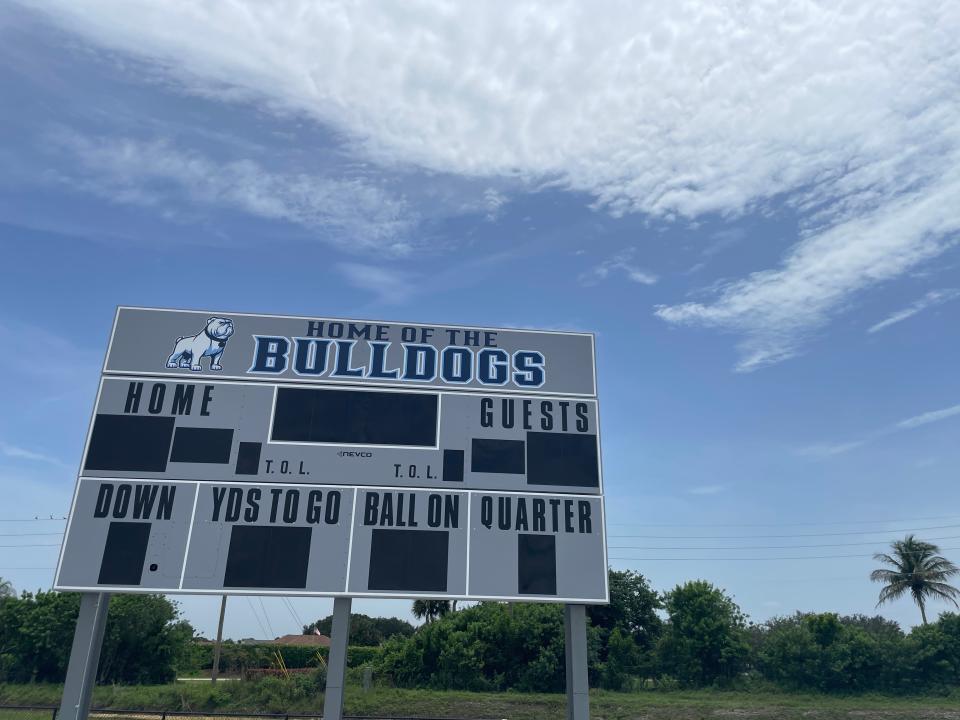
[(262, 454)]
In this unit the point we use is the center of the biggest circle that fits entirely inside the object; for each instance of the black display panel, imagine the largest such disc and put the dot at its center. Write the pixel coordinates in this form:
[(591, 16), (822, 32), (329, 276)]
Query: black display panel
[(268, 557), (124, 552), (409, 560), (497, 456), (129, 443), (355, 417), (248, 458), (202, 445), (562, 459), (536, 565), (452, 466)]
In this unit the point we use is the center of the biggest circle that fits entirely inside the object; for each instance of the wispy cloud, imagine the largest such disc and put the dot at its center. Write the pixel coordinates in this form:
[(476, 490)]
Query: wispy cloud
[(929, 417), (706, 490), (719, 242), (775, 106), (53, 357), (389, 286), (623, 263), (931, 299), (19, 453), (777, 310), (828, 450), (350, 212), (493, 201)]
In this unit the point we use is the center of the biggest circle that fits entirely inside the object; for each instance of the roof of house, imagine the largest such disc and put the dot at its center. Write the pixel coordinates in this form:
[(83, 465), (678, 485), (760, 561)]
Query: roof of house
[(311, 640)]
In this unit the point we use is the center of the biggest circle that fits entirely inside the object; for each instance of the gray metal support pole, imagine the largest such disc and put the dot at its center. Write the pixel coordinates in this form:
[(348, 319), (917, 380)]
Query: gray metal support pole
[(215, 669), (337, 660), (575, 634), (84, 656)]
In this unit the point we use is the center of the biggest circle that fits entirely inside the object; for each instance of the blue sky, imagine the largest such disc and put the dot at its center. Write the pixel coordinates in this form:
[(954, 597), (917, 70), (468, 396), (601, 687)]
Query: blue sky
[(756, 209)]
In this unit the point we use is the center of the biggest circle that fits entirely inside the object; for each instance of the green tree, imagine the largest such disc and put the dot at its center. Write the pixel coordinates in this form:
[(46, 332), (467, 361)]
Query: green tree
[(623, 661), (6, 589), (930, 657), (633, 609), (430, 610), (364, 630), (822, 652), (875, 626), (35, 634), (705, 639), (915, 567), (484, 647), (143, 642)]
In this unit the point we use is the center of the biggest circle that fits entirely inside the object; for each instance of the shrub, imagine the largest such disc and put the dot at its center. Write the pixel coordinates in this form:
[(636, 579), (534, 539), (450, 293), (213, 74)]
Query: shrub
[(623, 659), (705, 640), (821, 652)]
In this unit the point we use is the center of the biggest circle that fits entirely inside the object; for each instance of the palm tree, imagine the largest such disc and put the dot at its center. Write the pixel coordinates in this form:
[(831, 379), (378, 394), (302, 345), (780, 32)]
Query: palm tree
[(918, 568), (6, 588), (430, 609)]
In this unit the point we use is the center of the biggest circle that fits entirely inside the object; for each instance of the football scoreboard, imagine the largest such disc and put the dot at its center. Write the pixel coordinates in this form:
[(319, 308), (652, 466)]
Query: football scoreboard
[(233, 453)]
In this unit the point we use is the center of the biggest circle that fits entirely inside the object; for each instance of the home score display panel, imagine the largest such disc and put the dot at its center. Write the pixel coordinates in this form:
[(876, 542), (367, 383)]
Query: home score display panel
[(402, 461)]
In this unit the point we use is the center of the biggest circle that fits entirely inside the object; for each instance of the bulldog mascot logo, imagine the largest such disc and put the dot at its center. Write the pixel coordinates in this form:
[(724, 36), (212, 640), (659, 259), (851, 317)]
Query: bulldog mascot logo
[(209, 342)]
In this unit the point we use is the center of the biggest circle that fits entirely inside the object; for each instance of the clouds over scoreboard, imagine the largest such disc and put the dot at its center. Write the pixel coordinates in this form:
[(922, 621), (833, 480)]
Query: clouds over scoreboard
[(245, 453)]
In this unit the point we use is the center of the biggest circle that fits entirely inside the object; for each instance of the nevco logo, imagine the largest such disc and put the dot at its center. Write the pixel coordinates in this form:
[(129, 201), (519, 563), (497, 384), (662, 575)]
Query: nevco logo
[(355, 453)]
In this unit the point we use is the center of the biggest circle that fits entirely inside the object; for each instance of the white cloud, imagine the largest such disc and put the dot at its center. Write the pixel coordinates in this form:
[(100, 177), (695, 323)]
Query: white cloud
[(931, 299), (706, 490), (390, 286), (350, 212), (54, 359), (776, 309), (846, 111), (621, 262), (929, 417), (19, 453), (828, 450), (493, 201)]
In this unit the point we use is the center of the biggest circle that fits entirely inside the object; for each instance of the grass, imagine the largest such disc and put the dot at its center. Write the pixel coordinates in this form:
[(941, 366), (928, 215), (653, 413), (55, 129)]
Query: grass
[(280, 696)]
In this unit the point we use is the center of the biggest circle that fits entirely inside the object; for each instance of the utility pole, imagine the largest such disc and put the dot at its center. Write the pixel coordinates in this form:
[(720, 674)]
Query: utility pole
[(215, 670)]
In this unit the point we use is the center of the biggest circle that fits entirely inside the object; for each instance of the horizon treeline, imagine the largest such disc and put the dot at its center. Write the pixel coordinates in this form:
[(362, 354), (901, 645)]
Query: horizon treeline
[(692, 636)]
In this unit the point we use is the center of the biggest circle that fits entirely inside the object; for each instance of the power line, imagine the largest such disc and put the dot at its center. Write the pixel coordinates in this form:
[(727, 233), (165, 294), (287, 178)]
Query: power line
[(293, 612), (749, 537), (712, 559), (32, 545), (34, 519), (29, 534), (266, 617), (761, 547), (253, 609), (783, 524), (27, 568)]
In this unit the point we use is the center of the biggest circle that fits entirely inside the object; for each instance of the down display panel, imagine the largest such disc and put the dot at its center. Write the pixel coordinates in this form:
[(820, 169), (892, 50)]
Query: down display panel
[(153, 428)]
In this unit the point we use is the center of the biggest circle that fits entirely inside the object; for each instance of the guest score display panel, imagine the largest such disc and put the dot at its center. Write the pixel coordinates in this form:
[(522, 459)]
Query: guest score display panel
[(330, 457)]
